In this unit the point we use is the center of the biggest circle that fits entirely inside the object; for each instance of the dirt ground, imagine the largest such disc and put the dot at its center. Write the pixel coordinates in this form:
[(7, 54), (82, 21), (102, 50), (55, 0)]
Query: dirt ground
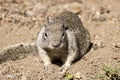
[(21, 20)]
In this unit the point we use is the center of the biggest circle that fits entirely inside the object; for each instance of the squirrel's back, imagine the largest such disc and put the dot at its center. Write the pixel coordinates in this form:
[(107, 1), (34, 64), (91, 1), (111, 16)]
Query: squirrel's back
[(73, 23), (69, 19)]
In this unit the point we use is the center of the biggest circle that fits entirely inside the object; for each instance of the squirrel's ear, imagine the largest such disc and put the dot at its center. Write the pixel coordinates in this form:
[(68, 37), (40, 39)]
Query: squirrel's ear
[(48, 19)]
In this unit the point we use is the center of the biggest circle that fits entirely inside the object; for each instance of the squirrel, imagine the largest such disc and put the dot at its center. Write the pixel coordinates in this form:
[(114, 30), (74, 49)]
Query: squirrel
[(62, 37)]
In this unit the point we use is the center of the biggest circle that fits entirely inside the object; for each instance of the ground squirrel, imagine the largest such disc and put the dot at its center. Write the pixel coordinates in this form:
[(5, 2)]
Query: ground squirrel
[(61, 38)]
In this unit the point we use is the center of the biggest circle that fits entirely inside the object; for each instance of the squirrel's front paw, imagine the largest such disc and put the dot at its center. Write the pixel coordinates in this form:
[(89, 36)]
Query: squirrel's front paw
[(64, 68), (48, 67)]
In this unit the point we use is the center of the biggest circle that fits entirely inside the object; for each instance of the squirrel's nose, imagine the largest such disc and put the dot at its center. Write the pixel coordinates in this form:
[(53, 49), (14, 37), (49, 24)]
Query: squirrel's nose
[(55, 45)]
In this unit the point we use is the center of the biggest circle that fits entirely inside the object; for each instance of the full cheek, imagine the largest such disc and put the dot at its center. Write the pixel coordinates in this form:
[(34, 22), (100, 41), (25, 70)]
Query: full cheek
[(46, 42), (50, 45)]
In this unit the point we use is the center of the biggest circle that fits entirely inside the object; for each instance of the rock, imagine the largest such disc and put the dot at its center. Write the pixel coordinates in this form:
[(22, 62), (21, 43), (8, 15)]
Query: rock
[(11, 76), (117, 45), (97, 45), (99, 13), (30, 13), (78, 76)]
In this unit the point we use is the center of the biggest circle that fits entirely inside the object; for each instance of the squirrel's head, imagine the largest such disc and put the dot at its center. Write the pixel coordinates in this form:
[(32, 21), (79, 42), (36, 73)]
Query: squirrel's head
[(55, 36)]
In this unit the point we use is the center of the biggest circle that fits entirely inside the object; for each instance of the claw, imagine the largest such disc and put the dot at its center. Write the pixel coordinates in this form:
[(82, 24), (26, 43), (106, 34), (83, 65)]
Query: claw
[(64, 68), (49, 67)]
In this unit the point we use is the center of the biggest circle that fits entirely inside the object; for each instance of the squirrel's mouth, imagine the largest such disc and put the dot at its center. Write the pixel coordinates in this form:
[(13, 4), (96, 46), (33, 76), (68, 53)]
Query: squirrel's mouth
[(53, 49)]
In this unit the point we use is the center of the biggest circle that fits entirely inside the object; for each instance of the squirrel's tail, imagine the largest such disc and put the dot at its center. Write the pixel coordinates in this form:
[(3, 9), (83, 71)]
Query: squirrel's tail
[(18, 51)]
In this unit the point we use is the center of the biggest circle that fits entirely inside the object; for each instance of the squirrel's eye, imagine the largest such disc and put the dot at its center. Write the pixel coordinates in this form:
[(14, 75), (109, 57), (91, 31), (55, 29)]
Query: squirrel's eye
[(45, 35)]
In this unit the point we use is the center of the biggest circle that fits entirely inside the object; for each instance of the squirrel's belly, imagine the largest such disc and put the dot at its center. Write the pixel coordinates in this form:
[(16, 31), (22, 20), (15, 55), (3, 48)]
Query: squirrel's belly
[(57, 53)]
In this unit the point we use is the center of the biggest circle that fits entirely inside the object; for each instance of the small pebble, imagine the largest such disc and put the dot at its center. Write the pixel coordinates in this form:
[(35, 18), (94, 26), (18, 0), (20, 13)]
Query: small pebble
[(10, 76), (30, 13), (98, 44), (117, 45), (78, 75)]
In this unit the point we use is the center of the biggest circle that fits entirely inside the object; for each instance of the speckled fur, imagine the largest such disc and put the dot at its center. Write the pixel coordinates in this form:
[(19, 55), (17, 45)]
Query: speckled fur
[(75, 44)]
